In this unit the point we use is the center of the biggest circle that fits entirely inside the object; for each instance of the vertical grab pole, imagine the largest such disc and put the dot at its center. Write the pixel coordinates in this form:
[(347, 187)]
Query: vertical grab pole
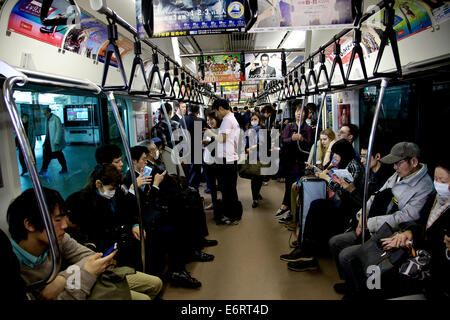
[(384, 83), (123, 135), (36, 182), (324, 95)]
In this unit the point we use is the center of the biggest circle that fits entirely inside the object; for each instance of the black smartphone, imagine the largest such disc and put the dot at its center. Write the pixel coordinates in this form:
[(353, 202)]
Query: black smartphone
[(107, 253)]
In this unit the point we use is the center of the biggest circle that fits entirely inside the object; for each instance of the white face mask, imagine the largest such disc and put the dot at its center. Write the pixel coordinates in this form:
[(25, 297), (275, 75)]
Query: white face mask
[(157, 155), (255, 123), (442, 189), (108, 194)]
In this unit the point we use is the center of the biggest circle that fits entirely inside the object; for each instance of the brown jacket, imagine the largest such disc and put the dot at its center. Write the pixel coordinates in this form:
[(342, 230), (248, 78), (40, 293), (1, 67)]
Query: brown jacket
[(72, 253)]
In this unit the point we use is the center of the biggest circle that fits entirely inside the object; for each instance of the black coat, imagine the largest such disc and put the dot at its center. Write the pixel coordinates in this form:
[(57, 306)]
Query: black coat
[(432, 240)]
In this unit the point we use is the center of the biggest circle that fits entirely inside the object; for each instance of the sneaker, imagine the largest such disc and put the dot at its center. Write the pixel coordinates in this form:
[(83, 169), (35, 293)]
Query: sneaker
[(286, 219), (183, 279), (265, 183), (295, 255), (280, 212), (301, 266), (254, 204), (340, 288)]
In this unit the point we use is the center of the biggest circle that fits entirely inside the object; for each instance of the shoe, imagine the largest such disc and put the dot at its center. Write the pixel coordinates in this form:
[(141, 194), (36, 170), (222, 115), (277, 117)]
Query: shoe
[(254, 204), (265, 183), (201, 256), (340, 288), (209, 207), (183, 279), (301, 266), (209, 243), (260, 197), (63, 171), (280, 212), (295, 255), (286, 219)]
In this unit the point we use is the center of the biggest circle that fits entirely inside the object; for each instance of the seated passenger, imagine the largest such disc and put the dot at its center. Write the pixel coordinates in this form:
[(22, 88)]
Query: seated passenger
[(327, 217), (31, 245), (432, 235), (408, 188)]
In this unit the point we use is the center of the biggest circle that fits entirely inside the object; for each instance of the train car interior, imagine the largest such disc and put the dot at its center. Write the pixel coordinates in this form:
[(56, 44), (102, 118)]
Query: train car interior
[(178, 96)]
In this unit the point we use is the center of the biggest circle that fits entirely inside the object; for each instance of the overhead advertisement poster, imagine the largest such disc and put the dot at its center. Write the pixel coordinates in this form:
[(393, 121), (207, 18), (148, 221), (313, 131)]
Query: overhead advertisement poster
[(220, 69), (303, 14), (411, 17), (25, 19), (178, 18), (263, 66), (88, 38)]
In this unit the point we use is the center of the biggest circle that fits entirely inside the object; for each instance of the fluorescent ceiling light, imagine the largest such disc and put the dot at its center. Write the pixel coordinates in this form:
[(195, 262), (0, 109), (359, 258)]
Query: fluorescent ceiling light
[(295, 40)]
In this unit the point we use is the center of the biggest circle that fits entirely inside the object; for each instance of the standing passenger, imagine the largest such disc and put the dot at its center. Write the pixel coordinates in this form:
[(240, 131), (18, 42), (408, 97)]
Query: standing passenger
[(227, 152), (54, 142)]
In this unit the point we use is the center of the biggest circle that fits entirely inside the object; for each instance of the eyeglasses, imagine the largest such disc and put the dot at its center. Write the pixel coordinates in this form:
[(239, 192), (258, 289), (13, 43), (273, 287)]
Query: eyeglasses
[(398, 163)]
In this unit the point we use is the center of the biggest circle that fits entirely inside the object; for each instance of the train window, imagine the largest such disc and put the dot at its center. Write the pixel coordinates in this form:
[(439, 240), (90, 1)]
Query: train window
[(63, 131), (395, 118)]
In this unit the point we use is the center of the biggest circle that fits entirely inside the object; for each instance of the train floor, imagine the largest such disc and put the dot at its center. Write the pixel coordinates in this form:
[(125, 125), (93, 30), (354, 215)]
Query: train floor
[(247, 264)]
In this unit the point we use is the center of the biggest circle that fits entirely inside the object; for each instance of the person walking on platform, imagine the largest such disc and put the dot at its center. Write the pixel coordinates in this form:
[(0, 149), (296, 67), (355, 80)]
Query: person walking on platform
[(54, 142)]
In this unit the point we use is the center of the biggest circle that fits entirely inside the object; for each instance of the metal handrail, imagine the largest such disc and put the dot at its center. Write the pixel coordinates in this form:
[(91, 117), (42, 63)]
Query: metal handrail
[(384, 84), (37, 186), (123, 135), (324, 95)]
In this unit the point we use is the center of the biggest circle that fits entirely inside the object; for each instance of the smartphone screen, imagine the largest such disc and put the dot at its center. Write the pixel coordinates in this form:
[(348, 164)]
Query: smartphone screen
[(147, 171), (107, 253)]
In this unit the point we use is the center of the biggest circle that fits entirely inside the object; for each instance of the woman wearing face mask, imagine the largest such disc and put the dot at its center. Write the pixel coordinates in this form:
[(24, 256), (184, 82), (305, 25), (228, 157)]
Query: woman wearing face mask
[(432, 234), (109, 215), (256, 123)]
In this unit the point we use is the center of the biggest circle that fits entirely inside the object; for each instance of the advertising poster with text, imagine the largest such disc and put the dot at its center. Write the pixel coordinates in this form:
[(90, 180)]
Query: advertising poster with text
[(275, 15), (226, 68), (263, 66), (25, 20), (178, 18)]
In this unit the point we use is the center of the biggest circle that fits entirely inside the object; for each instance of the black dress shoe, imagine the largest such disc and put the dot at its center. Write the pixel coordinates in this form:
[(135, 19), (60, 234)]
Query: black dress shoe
[(201, 256), (254, 204), (340, 288), (209, 243), (183, 279)]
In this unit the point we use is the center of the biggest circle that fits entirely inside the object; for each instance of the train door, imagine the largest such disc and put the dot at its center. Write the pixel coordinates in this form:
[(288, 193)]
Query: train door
[(63, 130)]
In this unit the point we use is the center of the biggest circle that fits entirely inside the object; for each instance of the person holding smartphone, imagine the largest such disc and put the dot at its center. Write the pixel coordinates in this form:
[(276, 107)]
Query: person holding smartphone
[(327, 217), (30, 244)]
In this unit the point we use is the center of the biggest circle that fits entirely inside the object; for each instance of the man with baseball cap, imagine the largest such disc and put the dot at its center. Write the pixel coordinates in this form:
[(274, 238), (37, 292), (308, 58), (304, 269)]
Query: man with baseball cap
[(410, 186)]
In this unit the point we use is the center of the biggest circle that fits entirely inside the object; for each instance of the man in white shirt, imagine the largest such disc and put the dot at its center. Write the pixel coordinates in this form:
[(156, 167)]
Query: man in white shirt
[(227, 157)]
